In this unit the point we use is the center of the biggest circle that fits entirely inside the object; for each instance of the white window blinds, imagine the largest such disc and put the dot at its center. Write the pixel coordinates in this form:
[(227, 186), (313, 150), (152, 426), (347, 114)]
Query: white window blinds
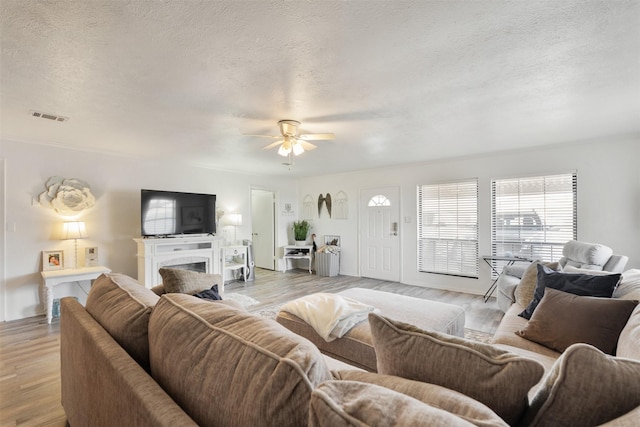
[(448, 228), (533, 217)]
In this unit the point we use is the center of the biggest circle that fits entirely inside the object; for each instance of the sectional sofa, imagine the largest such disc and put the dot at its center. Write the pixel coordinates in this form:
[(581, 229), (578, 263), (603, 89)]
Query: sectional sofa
[(132, 357)]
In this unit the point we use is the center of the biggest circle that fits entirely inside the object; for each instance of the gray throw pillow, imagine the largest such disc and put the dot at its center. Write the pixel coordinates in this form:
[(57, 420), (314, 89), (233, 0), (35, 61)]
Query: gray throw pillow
[(577, 284), (180, 281)]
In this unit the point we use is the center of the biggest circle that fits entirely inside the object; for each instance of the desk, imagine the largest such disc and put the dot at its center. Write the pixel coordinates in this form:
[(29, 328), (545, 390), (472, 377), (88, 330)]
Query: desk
[(298, 252), (509, 259), (56, 277)]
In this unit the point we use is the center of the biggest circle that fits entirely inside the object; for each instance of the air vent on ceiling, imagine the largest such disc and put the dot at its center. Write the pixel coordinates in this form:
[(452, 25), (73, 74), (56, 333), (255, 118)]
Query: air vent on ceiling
[(53, 117)]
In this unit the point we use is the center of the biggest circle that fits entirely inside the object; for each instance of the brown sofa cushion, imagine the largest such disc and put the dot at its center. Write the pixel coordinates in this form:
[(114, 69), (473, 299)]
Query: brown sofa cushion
[(227, 367), (349, 403), (497, 378), (176, 280), (526, 288), (573, 396), (123, 307), (433, 395), (562, 319)]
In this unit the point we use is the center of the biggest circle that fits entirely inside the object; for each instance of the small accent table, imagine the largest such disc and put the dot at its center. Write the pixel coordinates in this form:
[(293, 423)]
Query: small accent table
[(298, 252), (56, 277), (231, 256), (509, 259)]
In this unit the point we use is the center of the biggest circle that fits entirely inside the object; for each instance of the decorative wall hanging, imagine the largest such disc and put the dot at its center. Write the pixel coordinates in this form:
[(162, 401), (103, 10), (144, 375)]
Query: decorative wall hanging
[(287, 209), (341, 210), (307, 207), (67, 196), (324, 200)]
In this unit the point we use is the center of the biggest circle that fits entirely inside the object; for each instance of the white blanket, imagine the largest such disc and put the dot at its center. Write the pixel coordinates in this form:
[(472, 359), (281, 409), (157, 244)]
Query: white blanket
[(330, 315)]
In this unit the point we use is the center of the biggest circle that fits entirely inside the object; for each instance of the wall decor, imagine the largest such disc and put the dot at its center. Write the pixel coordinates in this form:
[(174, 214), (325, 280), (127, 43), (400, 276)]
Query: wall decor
[(67, 196), (307, 207), (341, 210), (90, 257), (287, 209), (52, 260), (326, 200)]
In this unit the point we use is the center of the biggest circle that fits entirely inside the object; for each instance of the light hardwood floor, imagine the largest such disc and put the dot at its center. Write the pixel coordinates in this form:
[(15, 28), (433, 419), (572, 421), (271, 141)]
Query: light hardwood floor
[(29, 348)]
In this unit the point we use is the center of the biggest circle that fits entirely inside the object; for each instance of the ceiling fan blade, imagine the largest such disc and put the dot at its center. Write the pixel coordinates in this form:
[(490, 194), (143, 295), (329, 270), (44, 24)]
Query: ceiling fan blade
[(306, 145), (317, 136), (274, 144), (262, 136)]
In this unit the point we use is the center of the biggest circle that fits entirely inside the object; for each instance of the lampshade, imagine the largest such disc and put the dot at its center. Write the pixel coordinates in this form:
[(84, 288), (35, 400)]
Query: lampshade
[(74, 230), (297, 148), (234, 219), (285, 148)]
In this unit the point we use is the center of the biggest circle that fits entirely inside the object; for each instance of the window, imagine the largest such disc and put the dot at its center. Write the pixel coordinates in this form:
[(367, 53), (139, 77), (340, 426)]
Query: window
[(379, 200), (448, 228), (533, 217)]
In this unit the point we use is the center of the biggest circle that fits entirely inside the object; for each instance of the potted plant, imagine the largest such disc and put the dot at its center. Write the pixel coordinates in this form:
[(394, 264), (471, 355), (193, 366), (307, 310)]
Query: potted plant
[(300, 231)]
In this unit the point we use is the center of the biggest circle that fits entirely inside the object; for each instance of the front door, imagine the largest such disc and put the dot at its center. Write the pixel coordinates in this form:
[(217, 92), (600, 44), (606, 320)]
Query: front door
[(380, 233), (263, 228)]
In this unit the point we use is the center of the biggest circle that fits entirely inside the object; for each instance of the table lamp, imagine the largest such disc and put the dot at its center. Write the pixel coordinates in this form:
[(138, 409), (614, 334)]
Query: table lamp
[(74, 230), (234, 220)]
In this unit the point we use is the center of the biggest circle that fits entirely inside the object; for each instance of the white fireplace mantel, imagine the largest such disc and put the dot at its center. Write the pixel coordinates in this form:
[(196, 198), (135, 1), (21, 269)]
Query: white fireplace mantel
[(155, 253)]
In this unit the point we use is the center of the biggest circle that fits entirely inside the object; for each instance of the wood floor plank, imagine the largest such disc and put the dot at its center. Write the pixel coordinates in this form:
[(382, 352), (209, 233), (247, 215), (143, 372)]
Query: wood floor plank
[(30, 348)]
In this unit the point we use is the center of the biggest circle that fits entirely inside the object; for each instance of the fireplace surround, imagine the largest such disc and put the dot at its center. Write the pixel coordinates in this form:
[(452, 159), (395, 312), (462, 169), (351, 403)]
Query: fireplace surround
[(198, 253)]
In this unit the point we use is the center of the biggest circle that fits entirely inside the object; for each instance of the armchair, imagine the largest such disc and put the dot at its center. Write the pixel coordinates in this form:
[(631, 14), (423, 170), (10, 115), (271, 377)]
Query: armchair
[(583, 255)]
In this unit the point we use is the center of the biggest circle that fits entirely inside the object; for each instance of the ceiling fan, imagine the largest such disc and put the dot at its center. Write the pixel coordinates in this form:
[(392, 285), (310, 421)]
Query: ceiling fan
[(292, 143)]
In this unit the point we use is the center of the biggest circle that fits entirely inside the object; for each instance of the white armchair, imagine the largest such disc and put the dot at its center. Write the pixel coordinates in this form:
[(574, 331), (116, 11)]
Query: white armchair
[(589, 256)]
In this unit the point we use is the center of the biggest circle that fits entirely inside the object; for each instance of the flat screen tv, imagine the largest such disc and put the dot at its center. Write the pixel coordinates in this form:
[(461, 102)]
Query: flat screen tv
[(171, 213)]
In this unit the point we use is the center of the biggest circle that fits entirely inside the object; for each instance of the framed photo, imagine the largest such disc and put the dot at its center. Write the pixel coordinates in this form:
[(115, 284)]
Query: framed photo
[(90, 257), (52, 260), (332, 240)]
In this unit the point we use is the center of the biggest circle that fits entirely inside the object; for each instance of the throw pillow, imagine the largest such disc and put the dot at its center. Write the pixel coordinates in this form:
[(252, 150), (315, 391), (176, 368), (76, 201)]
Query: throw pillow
[(180, 281), (210, 294), (562, 319), (495, 377), (350, 403), (577, 284), (525, 289), (573, 396)]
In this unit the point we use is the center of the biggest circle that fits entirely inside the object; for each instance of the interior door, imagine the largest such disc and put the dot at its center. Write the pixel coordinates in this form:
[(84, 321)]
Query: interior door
[(380, 233), (263, 228)]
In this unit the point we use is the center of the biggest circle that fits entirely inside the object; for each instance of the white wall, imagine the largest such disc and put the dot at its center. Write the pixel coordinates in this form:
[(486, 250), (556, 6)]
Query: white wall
[(115, 219), (608, 205), (608, 200)]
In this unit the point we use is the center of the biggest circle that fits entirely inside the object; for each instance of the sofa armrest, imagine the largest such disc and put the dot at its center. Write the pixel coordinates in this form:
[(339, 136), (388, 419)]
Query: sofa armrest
[(616, 263), (101, 384), (506, 288)]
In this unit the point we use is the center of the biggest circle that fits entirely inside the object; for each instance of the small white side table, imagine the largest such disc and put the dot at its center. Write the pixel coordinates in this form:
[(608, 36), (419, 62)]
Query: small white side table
[(231, 259), (56, 277), (298, 252)]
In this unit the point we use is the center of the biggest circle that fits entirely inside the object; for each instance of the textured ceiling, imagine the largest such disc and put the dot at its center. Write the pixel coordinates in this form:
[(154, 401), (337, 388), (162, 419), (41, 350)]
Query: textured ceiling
[(396, 81)]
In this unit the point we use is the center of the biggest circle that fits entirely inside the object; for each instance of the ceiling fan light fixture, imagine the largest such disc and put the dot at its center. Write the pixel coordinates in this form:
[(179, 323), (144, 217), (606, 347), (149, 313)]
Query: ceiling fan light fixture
[(297, 149), (285, 148)]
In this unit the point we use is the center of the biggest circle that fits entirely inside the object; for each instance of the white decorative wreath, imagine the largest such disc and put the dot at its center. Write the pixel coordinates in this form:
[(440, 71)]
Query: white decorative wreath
[(67, 196)]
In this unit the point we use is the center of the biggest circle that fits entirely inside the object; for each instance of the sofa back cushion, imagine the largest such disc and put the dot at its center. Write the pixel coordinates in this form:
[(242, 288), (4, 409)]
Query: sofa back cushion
[(585, 387), (351, 403), (227, 367), (122, 306), (493, 376), (629, 342)]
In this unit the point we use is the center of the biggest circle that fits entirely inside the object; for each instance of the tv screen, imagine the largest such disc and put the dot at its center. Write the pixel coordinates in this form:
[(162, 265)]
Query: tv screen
[(169, 213)]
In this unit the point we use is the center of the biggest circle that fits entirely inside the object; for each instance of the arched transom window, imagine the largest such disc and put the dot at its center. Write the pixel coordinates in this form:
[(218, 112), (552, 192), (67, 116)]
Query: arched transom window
[(379, 200)]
